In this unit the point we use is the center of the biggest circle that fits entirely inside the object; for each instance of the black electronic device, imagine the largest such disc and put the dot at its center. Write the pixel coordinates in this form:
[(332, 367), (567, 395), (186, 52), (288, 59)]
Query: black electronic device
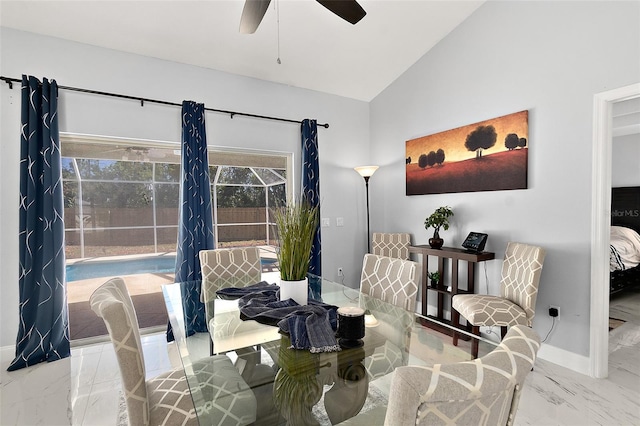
[(475, 242)]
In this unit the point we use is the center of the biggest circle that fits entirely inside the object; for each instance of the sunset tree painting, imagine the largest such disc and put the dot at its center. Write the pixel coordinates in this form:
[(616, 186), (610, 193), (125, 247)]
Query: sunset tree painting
[(487, 156)]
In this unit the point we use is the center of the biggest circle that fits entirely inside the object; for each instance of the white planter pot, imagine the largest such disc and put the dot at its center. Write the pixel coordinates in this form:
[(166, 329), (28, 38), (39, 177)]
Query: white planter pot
[(296, 290)]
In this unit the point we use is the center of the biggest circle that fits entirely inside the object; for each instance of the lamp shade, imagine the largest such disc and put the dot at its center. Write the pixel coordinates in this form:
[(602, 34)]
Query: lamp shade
[(366, 171)]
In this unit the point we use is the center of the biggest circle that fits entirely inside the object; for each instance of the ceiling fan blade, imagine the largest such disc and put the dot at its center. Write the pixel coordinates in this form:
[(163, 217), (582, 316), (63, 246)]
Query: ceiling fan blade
[(349, 10), (252, 15)]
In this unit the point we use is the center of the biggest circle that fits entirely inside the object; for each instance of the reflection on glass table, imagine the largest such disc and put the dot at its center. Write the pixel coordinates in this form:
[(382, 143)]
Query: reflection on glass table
[(296, 387)]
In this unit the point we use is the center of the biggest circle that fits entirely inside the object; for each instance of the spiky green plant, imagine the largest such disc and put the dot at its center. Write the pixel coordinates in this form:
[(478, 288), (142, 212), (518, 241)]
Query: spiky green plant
[(296, 224)]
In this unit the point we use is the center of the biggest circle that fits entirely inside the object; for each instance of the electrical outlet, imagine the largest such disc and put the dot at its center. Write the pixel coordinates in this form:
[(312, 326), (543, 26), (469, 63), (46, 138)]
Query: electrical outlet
[(340, 272), (554, 310)]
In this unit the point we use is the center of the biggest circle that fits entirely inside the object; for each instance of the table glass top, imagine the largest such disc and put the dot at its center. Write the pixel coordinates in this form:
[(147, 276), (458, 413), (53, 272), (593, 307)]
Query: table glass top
[(297, 387)]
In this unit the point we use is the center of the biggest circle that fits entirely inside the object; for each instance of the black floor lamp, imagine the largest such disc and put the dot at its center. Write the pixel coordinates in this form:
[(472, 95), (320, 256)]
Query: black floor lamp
[(366, 172)]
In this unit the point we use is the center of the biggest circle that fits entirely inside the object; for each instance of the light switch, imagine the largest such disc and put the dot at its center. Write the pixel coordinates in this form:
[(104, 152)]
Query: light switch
[(326, 222), (339, 221)]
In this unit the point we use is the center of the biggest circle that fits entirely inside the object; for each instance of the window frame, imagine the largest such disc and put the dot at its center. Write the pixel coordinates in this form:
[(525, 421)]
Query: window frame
[(72, 142)]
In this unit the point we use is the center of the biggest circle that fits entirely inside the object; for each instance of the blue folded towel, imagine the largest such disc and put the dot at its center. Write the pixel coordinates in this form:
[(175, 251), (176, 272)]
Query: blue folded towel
[(309, 327), (237, 292)]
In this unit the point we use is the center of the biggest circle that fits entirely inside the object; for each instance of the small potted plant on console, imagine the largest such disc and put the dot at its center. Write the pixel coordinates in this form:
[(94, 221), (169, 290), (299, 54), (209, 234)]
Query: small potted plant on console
[(434, 277), (438, 219)]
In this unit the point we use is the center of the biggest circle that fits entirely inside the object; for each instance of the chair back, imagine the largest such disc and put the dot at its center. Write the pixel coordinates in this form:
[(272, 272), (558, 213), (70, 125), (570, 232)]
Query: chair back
[(394, 281), (231, 267), (485, 391), (112, 302), (520, 276), (394, 323), (391, 245)]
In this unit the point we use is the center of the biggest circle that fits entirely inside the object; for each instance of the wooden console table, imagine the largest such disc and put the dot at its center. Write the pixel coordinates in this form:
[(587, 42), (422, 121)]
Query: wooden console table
[(455, 255)]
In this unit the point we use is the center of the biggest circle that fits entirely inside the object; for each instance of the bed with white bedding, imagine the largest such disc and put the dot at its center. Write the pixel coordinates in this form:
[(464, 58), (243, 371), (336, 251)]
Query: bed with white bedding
[(625, 238)]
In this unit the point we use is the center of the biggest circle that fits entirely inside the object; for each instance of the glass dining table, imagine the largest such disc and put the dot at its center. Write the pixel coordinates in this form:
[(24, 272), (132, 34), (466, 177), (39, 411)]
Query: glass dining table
[(297, 387)]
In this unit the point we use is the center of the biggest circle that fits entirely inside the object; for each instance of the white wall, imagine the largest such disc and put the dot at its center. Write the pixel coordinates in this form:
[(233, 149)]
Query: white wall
[(625, 160), (342, 146), (546, 57)]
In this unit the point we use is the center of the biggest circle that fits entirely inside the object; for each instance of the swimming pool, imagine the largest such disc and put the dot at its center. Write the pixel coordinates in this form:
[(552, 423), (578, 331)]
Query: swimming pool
[(144, 265), (107, 268)]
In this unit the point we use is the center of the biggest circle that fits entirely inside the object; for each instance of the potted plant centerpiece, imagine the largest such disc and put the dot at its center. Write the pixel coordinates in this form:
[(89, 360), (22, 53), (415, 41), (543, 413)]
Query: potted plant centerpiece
[(438, 219), (296, 225)]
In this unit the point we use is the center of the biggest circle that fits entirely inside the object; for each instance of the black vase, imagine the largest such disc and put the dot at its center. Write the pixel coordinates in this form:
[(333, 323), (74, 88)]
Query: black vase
[(436, 242)]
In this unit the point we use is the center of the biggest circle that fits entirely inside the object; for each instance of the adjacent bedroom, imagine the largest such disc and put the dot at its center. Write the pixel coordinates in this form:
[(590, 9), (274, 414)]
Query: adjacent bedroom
[(624, 285)]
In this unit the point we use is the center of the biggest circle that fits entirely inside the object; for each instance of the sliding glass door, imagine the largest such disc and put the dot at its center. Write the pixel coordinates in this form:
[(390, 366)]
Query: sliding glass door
[(121, 202)]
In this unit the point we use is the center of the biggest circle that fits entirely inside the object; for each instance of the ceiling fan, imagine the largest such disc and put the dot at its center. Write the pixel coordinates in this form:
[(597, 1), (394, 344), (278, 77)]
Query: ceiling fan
[(254, 11)]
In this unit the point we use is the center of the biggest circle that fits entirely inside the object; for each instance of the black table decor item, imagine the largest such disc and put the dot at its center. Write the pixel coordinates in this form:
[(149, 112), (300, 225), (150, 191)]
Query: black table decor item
[(350, 326)]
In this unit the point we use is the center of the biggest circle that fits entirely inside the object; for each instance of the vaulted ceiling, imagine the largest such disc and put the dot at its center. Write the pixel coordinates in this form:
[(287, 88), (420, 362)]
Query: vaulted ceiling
[(317, 49)]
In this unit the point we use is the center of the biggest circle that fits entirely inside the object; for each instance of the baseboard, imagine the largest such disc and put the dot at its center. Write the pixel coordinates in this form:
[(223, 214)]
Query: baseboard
[(9, 350), (564, 358), (7, 354)]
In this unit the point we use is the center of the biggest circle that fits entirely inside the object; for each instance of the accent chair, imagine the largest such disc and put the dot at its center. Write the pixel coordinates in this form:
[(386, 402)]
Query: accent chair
[(520, 277)]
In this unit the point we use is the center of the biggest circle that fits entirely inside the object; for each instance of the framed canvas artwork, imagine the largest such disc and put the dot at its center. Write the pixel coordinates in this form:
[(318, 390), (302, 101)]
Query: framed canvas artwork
[(491, 155)]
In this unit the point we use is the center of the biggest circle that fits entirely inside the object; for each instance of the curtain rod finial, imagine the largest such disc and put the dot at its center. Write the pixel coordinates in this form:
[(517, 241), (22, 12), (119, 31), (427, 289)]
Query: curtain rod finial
[(8, 81)]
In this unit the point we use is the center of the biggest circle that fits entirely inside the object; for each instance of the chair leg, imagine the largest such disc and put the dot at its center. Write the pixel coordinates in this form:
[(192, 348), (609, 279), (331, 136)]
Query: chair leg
[(474, 343), (455, 322)]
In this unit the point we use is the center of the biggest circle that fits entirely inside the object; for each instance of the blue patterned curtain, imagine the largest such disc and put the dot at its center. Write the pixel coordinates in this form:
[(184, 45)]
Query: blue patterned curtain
[(195, 231), (43, 332), (311, 191)]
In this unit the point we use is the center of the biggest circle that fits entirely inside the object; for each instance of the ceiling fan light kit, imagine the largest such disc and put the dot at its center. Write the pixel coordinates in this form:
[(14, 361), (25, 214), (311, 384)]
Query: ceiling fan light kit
[(254, 11)]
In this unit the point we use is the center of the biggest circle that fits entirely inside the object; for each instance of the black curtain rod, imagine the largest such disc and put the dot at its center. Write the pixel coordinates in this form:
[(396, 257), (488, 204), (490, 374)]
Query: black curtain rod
[(10, 82)]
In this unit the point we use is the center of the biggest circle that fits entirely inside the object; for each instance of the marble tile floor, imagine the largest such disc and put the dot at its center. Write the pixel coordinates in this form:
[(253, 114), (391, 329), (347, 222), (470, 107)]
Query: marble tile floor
[(555, 396), (81, 390), (84, 390)]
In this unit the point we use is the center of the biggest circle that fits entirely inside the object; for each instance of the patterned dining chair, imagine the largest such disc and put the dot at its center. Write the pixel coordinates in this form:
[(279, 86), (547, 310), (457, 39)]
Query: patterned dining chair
[(391, 244), (228, 267), (393, 280), (521, 270), (395, 324), (236, 267), (166, 399), (485, 391)]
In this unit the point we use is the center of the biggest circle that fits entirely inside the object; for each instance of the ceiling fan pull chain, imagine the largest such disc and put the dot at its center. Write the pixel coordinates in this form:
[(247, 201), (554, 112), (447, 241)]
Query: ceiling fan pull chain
[(277, 5)]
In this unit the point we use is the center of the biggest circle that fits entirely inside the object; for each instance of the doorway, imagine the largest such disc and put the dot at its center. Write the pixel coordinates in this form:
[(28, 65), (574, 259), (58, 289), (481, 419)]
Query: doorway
[(600, 220)]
